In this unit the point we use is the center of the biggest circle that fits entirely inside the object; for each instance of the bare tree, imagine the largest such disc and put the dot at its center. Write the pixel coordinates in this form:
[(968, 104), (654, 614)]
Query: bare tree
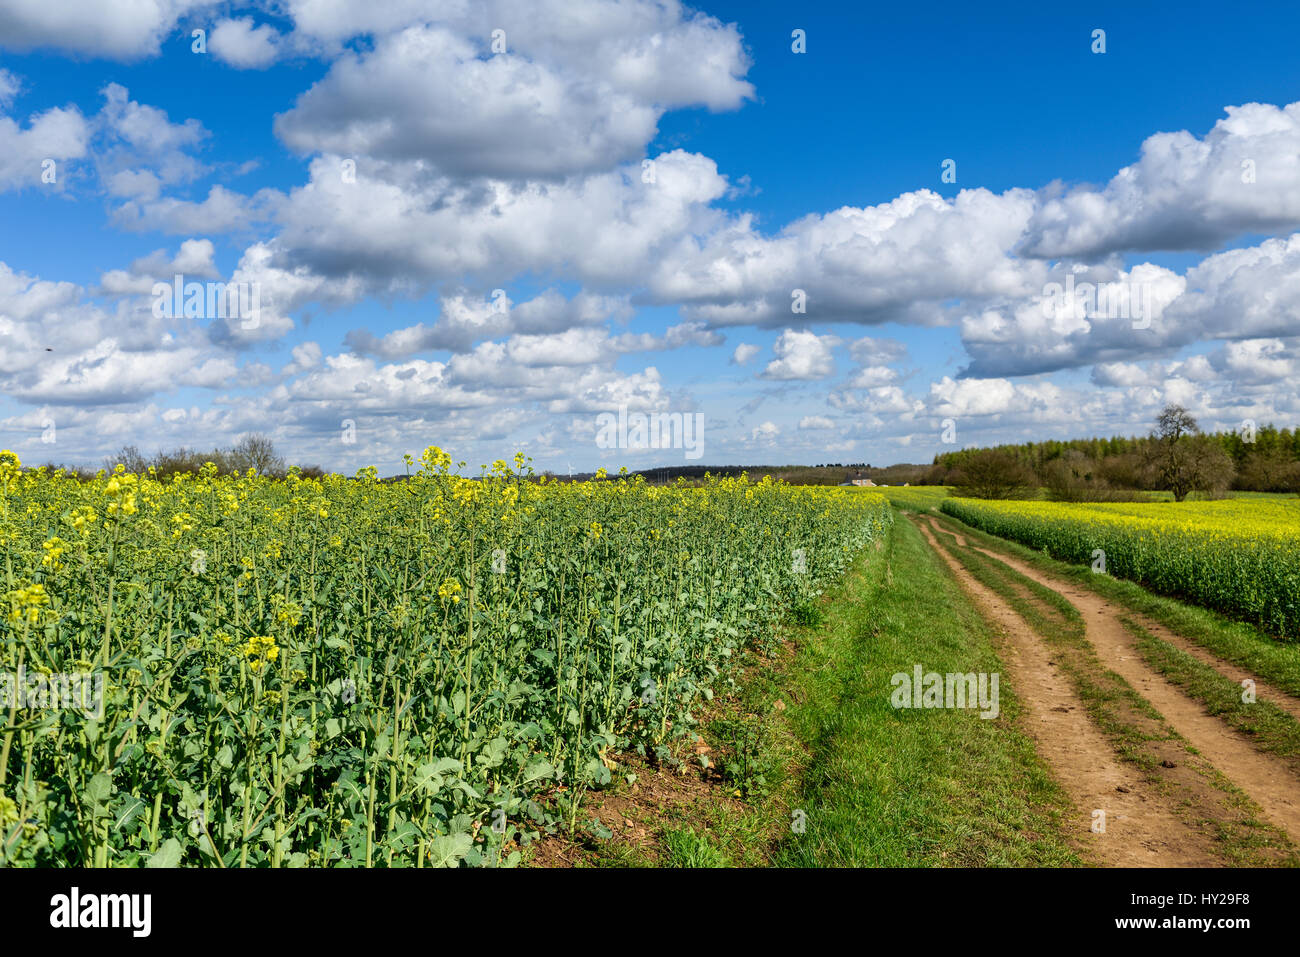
[(1173, 423), (992, 474), (1183, 460), (131, 457), (1212, 469), (1272, 471), (256, 451), (1076, 477)]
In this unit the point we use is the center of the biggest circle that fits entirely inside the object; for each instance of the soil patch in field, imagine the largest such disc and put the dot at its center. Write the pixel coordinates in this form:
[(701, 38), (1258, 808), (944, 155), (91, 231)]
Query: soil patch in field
[(1141, 827), (1264, 778)]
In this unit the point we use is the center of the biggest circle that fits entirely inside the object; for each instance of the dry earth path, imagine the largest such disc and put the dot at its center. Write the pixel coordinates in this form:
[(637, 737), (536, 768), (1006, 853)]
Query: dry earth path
[(1262, 777), (1142, 828)]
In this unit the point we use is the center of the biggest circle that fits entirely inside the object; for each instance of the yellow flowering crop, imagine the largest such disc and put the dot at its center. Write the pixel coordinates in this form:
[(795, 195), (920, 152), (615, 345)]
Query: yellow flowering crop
[(353, 671), (1240, 557)]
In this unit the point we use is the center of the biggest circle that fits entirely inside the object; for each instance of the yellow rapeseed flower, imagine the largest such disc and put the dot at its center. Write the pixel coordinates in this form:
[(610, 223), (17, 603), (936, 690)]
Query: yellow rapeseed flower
[(260, 650)]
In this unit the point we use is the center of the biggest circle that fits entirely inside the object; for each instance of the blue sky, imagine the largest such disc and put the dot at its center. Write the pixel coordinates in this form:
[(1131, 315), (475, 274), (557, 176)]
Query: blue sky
[(1166, 169)]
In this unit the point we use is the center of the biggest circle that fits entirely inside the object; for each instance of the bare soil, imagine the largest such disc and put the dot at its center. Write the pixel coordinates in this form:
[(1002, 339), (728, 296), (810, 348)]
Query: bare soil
[(1142, 825), (1267, 780)]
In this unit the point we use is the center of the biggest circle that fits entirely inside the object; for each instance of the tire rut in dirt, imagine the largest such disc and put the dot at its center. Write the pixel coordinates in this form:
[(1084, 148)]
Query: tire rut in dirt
[(1141, 829), (1263, 778)]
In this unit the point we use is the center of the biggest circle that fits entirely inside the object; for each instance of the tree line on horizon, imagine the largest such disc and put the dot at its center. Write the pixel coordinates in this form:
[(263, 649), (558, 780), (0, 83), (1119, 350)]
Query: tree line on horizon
[(1176, 457)]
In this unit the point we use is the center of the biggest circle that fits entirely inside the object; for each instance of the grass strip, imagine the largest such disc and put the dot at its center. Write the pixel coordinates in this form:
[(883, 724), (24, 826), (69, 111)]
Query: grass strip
[(1138, 732), (895, 787), (1269, 727)]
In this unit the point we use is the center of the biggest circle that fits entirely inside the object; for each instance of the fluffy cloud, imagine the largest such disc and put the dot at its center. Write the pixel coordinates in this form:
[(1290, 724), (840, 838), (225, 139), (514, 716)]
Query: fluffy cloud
[(1082, 315), (281, 290), (305, 357), (526, 90), (59, 347), (802, 355), (494, 375), (1184, 192), (121, 31), (674, 337), (873, 356), (10, 84), (874, 351), (439, 167), (502, 117), (465, 320), (606, 229), (1258, 361), (57, 134), (194, 260), (898, 261), (139, 133), (655, 50), (241, 44), (222, 211), (1108, 315), (1243, 293), (879, 401), (871, 377)]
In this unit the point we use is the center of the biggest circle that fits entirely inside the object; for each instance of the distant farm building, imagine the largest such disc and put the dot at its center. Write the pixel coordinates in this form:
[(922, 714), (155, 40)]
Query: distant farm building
[(859, 480)]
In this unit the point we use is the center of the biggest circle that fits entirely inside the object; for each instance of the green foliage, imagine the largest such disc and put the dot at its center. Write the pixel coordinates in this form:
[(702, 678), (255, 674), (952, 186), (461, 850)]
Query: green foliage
[(685, 848), (346, 673), (1265, 460), (1239, 557), (746, 764)]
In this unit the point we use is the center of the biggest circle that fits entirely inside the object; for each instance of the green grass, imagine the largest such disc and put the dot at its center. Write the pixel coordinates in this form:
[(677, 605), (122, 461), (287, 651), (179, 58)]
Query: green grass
[(909, 787), (914, 498), (815, 741), (1121, 713), (924, 498), (1046, 611), (814, 737), (1203, 497), (1269, 727), (1136, 730), (685, 848)]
